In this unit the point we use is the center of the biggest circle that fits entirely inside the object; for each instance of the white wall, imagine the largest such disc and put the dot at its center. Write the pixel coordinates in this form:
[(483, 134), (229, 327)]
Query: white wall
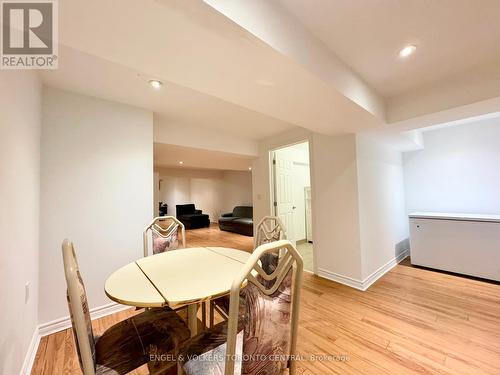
[(96, 189), (359, 222), (236, 190), (335, 206), (457, 171), (213, 191), (334, 198), (19, 221), (156, 192), (382, 213)]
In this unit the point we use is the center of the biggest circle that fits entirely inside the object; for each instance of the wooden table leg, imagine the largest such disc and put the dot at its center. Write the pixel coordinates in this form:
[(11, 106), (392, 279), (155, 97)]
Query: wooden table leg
[(204, 314), (193, 319)]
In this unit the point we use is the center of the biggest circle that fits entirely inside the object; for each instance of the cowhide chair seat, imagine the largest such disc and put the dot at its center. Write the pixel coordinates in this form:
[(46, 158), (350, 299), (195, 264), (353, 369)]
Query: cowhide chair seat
[(150, 337), (204, 354)]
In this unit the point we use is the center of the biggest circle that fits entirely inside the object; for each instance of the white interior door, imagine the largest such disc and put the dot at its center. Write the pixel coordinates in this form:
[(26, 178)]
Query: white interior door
[(283, 196)]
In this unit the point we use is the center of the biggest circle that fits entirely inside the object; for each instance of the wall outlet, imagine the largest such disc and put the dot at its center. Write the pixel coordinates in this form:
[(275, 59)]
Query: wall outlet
[(27, 292)]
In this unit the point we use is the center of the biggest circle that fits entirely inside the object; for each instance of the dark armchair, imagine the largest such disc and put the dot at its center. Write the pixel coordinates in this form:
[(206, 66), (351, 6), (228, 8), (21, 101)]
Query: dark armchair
[(239, 221), (191, 217)]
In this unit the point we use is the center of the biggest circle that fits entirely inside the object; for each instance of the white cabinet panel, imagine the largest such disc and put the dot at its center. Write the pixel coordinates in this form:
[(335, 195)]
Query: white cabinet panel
[(457, 244)]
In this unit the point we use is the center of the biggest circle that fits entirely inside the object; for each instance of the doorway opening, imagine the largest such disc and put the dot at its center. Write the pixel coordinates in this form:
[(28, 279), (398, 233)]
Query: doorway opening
[(291, 196)]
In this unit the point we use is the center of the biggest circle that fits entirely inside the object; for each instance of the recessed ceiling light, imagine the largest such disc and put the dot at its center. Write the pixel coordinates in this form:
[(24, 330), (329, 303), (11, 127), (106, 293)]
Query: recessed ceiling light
[(407, 51), (249, 168), (181, 162), (155, 84)]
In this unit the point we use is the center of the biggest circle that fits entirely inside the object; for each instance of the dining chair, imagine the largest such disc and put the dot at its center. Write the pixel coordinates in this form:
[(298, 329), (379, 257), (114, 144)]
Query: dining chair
[(151, 337), (264, 340), (269, 229), (164, 234)]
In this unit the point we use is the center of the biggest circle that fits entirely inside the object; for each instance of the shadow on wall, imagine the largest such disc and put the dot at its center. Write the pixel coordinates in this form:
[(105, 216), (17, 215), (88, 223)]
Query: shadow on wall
[(401, 247)]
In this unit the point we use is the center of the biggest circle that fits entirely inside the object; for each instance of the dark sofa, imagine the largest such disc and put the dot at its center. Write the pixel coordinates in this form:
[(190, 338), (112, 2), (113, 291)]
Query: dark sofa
[(191, 217), (239, 221)]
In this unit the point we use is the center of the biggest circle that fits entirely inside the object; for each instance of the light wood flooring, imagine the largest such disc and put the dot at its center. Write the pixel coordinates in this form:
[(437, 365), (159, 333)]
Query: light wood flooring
[(411, 321), (306, 251), (214, 237)]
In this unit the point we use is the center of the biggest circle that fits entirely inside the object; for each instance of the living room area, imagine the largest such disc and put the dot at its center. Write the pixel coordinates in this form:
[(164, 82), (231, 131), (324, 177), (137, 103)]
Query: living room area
[(210, 192)]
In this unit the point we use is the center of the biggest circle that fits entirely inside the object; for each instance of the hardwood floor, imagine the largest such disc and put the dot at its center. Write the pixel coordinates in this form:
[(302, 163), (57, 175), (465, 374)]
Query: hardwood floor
[(214, 237), (411, 321), (306, 251)]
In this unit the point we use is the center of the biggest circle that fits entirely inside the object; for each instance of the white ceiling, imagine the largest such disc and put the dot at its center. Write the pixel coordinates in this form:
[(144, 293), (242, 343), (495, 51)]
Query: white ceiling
[(266, 77), (453, 36), (170, 156), (83, 73), (189, 43)]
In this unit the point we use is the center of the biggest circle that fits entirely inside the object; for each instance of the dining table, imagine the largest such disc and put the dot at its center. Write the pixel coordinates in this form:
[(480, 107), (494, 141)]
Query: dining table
[(177, 278)]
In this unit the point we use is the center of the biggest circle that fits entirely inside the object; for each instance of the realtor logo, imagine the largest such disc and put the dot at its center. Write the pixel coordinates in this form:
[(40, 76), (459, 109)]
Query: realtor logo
[(29, 34)]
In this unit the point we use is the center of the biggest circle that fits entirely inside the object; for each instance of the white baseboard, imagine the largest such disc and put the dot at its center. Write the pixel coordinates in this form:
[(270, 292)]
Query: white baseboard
[(29, 359), (59, 325), (64, 323), (346, 280), (377, 274), (367, 281)]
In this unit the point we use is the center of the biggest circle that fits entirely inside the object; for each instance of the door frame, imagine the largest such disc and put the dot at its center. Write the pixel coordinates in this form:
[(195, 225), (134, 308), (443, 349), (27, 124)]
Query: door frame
[(274, 198), (272, 186)]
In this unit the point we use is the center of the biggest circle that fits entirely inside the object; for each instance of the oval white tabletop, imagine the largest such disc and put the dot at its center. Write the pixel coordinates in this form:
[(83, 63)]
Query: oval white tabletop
[(130, 286), (176, 278)]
